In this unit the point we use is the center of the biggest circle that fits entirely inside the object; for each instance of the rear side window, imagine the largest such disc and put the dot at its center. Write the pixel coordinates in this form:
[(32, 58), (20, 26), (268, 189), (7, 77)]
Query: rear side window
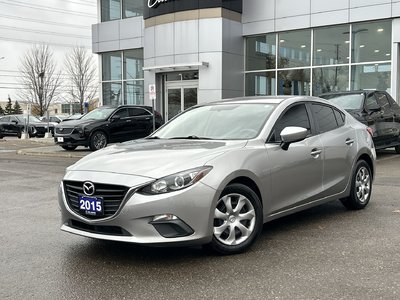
[(134, 112), (294, 116), (325, 117), (382, 100)]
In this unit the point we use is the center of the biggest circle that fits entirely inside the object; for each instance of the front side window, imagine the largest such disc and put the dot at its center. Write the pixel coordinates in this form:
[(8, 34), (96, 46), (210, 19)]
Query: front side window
[(382, 100), (371, 102), (295, 116)]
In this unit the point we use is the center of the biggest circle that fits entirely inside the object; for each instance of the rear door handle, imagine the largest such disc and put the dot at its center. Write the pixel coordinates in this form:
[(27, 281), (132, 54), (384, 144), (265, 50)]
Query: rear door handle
[(349, 142), (316, 152)]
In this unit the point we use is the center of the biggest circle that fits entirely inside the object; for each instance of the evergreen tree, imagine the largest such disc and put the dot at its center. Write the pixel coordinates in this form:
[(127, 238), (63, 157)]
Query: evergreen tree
[(17, 108), (1, 111), (8, 110)]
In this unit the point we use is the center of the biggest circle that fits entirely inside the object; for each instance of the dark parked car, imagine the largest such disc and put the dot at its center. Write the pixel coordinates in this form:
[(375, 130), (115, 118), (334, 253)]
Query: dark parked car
[(376, 109), (14, 125), (72, 117), (53, 119), (107, 125)]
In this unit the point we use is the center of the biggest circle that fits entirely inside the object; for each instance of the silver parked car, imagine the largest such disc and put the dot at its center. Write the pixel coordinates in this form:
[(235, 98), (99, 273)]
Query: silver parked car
[(215, 173)]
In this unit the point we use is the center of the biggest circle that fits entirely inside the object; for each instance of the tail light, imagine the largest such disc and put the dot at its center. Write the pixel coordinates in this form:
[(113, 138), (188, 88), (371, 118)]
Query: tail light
[(370, 131), (157, 114)]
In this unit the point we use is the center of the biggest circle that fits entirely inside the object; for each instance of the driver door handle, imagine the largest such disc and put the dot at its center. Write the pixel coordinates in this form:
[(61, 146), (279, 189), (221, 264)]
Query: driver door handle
[(349, 142), (316, 152)]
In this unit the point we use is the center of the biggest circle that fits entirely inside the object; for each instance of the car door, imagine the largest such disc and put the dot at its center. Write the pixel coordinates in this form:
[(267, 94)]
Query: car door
[(296, 174), (120, 126), (380, 121), (339, 144), (396, 113), (5, 124), (388, 126), (141, 121)]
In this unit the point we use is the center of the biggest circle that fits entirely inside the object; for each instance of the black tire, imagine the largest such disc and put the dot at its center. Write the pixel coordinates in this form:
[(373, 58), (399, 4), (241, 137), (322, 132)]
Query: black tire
[(397, 149), (68, 148), (226, 222), (361, 187), (98, 140), (19, 134)]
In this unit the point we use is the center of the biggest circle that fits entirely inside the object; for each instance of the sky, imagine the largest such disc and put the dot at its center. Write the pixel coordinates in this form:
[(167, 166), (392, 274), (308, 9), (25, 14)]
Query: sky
[(62, 24)]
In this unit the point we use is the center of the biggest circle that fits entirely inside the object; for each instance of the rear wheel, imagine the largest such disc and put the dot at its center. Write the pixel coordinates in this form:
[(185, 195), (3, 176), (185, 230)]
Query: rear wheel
[(68, 148), (98, 140), (361, 187), (238, 220)]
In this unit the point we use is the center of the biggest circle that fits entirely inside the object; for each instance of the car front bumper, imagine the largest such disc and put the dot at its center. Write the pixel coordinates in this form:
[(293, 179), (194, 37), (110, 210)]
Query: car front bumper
[(74, 139), (134, 221)]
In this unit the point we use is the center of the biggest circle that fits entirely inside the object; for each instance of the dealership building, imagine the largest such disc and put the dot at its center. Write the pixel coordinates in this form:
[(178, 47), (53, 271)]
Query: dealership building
[(196, 51)]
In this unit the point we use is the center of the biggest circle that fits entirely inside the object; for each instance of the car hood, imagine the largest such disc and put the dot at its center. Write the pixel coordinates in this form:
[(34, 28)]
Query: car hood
[(154, 158), (73, 123)]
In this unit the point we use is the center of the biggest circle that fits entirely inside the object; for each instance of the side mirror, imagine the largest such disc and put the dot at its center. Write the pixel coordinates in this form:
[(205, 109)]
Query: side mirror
[(373, 108), (292, 134), (115, 118), (14, 121)]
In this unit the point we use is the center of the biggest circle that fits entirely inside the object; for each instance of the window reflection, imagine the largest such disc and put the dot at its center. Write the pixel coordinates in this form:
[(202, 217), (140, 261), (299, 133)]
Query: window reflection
[(371, 41), (295, 49), (132, 8), (133, 92), (110, 10), (133, 64), (261, 52), (111, 65), (112, 93), (331, 45), (260, 84), (373, 76), (330, 79), (294, 82)]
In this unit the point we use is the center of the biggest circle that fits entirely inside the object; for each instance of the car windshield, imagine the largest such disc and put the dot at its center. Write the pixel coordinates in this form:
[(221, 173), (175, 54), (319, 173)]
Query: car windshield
[(346, 101), (226, 121), (98, 114)]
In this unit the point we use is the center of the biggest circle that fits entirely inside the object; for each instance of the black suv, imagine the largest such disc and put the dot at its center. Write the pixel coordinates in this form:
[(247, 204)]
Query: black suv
[(105, 125), (14, 125), (377, 110)]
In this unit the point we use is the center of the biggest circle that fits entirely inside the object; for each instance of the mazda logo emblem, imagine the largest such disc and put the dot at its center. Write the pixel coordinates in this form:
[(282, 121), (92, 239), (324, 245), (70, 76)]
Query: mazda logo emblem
[(88, 188)]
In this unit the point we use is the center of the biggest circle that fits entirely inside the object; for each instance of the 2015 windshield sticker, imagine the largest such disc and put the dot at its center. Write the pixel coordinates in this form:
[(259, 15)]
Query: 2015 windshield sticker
[(154, 3)]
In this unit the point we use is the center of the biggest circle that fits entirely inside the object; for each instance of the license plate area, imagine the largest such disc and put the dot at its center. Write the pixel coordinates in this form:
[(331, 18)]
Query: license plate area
[(60, 139), (91, 206)]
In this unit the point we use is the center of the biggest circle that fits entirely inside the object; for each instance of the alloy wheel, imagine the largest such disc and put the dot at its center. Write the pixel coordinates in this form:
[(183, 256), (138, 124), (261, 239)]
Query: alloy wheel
[(363, 184), (99, 140)]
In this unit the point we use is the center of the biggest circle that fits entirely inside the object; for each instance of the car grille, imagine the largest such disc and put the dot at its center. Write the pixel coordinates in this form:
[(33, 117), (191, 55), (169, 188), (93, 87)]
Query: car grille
[(112, 197), (111, 230), (64, 130)]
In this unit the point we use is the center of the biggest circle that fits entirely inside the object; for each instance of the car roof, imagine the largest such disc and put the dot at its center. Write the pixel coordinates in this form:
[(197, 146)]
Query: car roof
[(265, 99), (354, 92)]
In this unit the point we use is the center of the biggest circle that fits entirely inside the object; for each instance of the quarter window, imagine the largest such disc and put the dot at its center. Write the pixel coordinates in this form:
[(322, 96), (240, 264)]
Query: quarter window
[(134, 112)]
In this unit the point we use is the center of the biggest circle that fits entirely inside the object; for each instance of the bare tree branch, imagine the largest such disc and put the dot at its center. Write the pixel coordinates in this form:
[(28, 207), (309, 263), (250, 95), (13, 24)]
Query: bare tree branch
[(40, 77), (82, 73)]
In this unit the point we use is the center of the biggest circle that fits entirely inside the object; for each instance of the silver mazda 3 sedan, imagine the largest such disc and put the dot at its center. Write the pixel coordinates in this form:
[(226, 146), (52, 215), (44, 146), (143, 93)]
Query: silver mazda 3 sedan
[(215, 173)]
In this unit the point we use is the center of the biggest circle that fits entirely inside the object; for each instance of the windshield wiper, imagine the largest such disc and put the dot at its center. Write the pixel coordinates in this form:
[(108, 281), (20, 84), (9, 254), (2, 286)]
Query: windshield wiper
[(190, 137)]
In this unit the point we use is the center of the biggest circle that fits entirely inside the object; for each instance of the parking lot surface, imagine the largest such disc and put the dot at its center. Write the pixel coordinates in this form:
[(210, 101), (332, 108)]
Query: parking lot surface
[(322, 253)]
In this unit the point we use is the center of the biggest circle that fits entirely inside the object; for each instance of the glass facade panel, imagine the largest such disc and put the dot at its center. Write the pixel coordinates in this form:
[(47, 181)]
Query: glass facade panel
[(295, 49), (111, 66), (133, 92), (133, 64), (371, 41), (261, 52), (360, 51), (260, 84), (294, 82), (132, 8), (372, 76), (330, 79), (110, 10), (112, 93), (331, 46)]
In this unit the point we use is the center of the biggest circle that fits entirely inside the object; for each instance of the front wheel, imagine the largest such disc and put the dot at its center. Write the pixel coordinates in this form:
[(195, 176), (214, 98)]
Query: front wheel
[(361, 187), (238, 219), (98, 140)]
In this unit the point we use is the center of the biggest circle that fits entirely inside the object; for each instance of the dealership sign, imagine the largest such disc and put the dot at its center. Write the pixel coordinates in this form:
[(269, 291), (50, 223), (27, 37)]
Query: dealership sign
[(153, 3)]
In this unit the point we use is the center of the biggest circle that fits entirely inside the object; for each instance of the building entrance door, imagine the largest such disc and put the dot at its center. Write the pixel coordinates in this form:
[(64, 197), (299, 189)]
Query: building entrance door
[(179, 95)]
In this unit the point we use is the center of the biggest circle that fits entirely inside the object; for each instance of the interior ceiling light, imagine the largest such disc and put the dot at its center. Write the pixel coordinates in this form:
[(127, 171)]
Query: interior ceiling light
[(281, 41), (319, 50), (380, 29), (303, 46), (387, 54), (376, 51), (347, 42), (362, 46)]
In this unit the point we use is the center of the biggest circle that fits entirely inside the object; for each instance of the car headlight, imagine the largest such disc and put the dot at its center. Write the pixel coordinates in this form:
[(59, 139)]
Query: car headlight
[(176, 181), (80, 130)]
